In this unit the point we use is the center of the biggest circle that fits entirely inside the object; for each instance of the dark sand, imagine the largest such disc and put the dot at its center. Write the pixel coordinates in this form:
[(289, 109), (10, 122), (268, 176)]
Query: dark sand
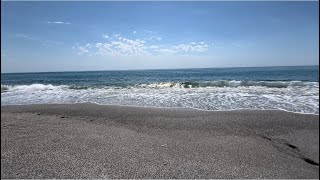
[(92, 141)]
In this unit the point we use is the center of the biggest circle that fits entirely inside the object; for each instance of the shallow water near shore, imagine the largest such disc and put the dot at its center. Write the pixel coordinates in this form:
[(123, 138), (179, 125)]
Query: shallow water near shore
[(294, 89)]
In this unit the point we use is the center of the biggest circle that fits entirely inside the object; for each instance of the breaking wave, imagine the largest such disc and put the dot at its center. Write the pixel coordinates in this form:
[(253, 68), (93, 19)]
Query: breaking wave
[(231, 83), (294, 96), (158, 85)]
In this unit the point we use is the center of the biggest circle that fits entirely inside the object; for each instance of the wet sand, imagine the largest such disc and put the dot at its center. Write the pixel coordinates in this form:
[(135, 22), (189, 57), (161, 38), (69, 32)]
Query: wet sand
[(94, 141)]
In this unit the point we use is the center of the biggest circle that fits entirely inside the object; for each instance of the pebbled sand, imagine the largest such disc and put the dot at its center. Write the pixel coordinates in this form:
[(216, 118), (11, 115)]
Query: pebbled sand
[(94, 141)]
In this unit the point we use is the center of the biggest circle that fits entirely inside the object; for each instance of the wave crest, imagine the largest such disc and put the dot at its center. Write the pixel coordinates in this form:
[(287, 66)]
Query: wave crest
[(161, 85), (295, 96), (231, 83)]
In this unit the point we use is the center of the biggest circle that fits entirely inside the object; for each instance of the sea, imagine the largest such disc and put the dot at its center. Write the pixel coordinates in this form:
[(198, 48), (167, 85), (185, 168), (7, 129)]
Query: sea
[(294, 89)]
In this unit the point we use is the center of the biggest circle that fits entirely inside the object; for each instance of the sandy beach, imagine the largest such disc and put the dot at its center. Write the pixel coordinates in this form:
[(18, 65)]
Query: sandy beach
[(104, 141)]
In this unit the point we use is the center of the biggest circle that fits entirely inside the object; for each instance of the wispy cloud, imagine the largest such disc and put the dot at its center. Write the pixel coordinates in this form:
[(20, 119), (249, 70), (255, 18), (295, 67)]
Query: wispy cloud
[(187, 48), (117, 35), (122, 46), (134, 32), (152, 38), (192, 47), (151, 35), (116, 44), (58, 22), (51, 42), (165, 51), (153, 47), (105, 36), (83, 50), (236, 44), (218, 44)]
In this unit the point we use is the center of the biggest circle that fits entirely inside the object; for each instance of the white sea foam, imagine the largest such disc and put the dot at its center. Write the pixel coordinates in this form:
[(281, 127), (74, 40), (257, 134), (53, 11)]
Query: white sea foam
[(229, 83), (294, 96)]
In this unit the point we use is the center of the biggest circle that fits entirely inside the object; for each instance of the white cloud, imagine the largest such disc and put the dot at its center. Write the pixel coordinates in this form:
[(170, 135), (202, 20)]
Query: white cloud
[(46, 45), (153, 47), (83, 50), (51, 42), (22, 35), (88, 45), (181, 48), (218, 44), (192, 47), (105, 36), (152, 38), (118, 45), (236, 44), (166, 51), (57, 22), (134, 32), (122, 46), (98, 45)]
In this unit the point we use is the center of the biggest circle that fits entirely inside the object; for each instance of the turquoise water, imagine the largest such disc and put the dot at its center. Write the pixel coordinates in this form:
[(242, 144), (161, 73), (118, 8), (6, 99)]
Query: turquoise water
[(293, 89)]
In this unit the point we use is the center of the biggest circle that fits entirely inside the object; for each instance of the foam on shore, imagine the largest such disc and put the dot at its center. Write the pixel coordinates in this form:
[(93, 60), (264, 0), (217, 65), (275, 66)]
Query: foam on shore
[(293, 96)]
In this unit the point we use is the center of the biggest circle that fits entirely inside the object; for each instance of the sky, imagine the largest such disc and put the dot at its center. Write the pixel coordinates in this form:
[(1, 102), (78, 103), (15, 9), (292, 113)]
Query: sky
[(80, 36)]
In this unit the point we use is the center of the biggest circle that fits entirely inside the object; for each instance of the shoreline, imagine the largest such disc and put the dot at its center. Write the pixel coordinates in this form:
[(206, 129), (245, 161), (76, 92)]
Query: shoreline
[(186, 108), (87, 140)]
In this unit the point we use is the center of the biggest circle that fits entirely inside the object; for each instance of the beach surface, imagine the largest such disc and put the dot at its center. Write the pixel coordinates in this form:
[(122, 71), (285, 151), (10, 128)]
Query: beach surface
[(104, 141)]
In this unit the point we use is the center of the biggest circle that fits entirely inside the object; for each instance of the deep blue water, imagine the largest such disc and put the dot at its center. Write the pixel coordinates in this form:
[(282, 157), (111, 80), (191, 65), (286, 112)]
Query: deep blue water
[(287, 88), (125, 78)]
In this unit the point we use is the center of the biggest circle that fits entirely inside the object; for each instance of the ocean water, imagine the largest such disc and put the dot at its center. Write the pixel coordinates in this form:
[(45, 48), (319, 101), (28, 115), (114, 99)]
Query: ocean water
[(294, 89)]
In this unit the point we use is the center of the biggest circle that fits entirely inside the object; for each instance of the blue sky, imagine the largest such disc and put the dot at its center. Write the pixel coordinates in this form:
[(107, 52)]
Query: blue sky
[(71, 36)]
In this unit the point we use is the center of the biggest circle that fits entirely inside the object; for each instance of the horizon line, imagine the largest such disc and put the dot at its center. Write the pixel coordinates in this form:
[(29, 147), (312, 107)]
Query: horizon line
[(160, 1), (155, 69)]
